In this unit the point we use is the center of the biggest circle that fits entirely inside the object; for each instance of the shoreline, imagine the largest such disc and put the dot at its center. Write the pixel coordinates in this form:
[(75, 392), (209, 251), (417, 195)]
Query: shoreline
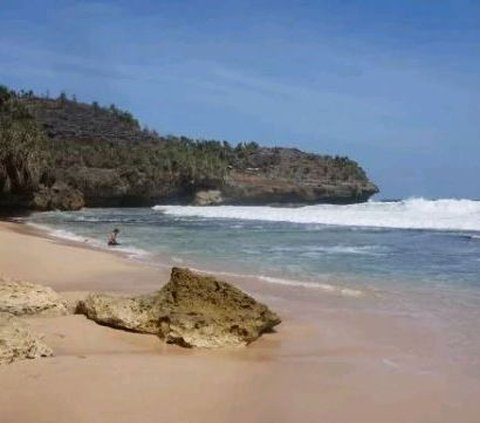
[(163, 261), (330, 360), (26, 228), (97, 259)]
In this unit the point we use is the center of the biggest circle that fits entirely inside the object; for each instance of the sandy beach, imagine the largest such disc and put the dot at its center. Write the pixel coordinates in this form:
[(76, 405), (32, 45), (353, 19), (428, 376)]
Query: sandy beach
[(329, 360)]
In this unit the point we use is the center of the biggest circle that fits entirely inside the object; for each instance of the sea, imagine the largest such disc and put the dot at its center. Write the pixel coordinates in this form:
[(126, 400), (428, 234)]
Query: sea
[(415, 257)]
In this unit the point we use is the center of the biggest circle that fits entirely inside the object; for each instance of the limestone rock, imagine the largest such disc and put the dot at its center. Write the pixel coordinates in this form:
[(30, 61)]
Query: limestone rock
[(22, 298), (17, 342), (71, 299), (60, 196), (191, 310), (208, 198), (135, 314), (203, 311)]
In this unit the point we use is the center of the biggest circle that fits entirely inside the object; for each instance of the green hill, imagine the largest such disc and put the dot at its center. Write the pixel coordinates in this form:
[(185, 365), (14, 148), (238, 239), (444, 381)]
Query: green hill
[(60, 153)]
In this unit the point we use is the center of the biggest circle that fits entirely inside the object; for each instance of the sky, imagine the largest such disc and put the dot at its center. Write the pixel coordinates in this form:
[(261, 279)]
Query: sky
[(392, 84)]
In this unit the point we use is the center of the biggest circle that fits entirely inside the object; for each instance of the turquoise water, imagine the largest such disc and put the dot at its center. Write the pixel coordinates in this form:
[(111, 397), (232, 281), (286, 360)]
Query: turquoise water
[(423, 255), (435, 245), (416, 258)]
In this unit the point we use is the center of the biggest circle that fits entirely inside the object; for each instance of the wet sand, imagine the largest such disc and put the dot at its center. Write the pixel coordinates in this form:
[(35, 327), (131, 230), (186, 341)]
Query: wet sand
[(333, 359)]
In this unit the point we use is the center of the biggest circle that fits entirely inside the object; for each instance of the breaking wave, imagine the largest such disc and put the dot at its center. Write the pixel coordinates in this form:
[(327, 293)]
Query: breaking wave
[(416, 213)]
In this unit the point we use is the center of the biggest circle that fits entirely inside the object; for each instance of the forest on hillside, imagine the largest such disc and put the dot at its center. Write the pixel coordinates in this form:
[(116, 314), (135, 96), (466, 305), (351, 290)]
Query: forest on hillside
[(105, 153)]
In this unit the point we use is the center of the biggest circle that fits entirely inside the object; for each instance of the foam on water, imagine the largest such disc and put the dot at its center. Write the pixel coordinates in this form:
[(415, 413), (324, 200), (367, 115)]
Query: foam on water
[(416, 213), (333, 249), (313, 285), (61, 233), (130, 251), (333, 289)]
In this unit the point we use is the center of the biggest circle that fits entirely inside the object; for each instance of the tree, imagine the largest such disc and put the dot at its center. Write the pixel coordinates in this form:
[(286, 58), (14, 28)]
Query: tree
[(62, 97), (5, 94), (23, 156)]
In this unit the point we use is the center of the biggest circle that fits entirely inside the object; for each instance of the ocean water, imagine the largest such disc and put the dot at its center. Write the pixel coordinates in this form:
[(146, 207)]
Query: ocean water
[(413, 243), (416, 256)]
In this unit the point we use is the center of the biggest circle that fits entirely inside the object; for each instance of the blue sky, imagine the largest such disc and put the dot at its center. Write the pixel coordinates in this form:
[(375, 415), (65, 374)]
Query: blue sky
[(393, 84)]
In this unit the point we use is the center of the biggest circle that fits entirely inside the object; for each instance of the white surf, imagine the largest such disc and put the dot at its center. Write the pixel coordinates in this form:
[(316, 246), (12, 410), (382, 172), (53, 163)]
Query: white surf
[(416, 213)]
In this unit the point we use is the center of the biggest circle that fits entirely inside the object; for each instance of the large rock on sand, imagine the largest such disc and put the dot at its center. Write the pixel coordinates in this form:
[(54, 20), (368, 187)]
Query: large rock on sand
[(17, 342), (23, 298), (191, 310)]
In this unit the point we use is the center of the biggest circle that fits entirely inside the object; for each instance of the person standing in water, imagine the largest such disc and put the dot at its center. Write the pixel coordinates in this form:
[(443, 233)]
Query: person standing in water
[(112, 239)]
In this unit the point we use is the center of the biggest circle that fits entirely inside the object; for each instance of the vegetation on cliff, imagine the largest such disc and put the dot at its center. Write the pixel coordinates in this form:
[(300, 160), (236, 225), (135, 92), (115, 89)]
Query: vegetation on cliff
[(103, 153), (24, 156)]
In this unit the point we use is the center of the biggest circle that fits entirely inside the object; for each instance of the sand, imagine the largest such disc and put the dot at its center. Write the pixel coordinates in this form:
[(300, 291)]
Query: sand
[(330, 361)]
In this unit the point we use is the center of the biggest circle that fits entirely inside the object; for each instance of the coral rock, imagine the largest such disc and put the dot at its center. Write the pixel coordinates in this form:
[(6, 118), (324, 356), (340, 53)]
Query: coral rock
[(23, 298), (191, 310), (17, 342)]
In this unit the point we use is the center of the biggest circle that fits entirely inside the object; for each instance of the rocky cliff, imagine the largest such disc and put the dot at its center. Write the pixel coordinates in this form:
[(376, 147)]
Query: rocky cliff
[(59, 153)]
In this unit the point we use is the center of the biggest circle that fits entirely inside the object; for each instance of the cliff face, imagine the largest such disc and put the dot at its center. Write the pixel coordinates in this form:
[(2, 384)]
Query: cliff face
[(101, 157), (281, 175)]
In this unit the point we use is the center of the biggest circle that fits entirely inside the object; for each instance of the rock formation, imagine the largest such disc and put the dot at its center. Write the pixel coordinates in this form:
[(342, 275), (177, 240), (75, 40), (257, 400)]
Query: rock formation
[(208, 198), (17, 342), (60, 196), (23, 298), (191, 310), (61, 154)]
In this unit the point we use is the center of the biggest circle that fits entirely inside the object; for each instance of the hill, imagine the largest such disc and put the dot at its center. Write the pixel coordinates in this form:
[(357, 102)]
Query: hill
[(60, 153)]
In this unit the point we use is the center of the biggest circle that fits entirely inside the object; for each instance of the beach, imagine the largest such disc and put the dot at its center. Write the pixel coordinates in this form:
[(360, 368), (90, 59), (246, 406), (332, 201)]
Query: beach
[(329, 360), (239, 212)]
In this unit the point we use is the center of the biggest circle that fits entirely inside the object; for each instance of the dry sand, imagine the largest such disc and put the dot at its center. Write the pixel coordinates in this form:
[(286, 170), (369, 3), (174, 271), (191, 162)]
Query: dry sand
[(330, 361)]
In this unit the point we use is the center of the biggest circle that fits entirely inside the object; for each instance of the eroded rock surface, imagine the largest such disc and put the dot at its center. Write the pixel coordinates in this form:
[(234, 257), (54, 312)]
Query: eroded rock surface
[(208, 198), (137, 314), (60, 196), (23, 298), (191, 310), (17, 341)]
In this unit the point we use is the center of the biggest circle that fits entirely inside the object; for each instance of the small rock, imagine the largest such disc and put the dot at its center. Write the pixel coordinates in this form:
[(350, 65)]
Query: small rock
[(17, 342)]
